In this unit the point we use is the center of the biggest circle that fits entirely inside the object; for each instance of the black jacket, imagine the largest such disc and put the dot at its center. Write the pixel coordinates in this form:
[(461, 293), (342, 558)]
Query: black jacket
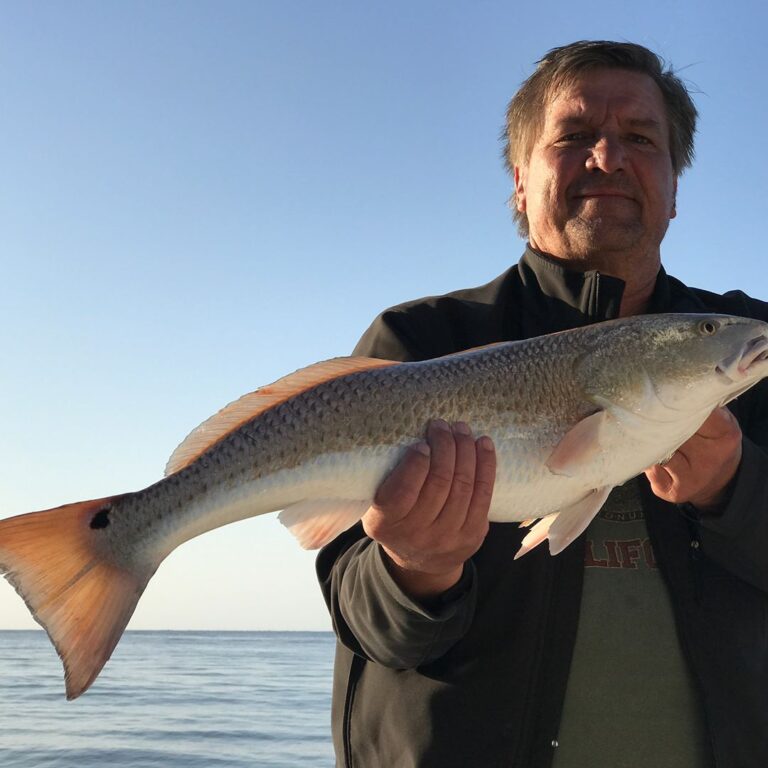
[(479, 680)]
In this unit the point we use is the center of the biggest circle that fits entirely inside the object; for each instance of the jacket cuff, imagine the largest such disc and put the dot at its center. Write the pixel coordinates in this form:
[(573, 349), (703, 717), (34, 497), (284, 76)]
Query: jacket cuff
[(440, 608), (744, 507), (392, 628)]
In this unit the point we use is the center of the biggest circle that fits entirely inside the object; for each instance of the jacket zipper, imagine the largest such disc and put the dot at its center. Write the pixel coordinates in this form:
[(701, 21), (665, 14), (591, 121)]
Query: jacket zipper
[(524, 751), (355, 670)]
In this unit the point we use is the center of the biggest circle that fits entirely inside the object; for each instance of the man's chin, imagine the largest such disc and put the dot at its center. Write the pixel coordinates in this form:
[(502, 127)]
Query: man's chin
[(603, 234)]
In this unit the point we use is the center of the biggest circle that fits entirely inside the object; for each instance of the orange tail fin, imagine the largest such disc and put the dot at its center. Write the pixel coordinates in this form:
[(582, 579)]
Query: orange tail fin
[(58, 562)]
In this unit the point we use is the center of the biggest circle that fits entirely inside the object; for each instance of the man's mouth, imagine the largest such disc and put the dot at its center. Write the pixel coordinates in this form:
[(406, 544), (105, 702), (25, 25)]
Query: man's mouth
[(602, 194)]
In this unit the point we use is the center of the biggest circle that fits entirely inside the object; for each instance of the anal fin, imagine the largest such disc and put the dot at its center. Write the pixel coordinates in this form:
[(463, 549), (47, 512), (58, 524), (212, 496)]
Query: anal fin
[(536, 535), (317, 522)]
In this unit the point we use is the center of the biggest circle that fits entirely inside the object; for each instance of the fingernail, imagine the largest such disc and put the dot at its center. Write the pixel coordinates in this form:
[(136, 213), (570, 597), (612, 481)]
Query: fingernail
[(440, 424), (485, 443), (422, 448), (461, 428)]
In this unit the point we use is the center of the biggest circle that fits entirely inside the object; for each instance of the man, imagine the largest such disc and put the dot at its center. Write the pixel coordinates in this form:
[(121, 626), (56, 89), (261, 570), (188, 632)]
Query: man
[(646, 641)]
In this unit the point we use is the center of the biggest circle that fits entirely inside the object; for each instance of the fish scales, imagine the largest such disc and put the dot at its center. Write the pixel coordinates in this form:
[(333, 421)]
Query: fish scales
[(520, 388), (386, 408)]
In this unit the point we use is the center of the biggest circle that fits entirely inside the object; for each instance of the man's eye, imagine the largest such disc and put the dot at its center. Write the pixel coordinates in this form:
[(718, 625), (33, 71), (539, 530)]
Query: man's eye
[(637, 138), (569, 138)]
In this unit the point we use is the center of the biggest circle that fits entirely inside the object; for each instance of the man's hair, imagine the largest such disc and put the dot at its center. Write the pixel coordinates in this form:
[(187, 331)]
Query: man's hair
[(560, 67)]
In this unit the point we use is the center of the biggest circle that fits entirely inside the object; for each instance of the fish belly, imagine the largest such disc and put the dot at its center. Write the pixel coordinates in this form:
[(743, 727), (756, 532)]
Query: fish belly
[(341, 476)]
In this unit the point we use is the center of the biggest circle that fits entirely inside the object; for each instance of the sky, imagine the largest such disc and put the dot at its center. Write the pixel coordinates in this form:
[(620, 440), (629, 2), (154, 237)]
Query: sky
[(197, 198)]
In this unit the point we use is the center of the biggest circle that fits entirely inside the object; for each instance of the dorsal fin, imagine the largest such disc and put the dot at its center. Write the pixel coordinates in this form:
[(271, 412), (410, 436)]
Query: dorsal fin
[(251, 405)]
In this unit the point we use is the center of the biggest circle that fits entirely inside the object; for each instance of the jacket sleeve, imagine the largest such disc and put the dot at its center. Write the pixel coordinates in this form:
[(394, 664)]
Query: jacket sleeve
[(371, 615), (738, 538), (374, 618)]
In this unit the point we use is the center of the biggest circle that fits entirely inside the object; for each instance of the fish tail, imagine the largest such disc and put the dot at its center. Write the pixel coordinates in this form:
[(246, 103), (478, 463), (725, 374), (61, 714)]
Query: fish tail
[(59, 563)]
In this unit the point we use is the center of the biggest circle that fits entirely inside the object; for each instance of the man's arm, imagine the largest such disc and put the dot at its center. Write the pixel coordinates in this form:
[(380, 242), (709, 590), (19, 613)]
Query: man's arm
[(701, 471), (404, 593), (721, 477), (431, 514)]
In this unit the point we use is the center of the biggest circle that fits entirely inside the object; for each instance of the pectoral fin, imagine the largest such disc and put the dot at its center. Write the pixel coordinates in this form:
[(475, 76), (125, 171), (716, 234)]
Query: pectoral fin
[(578, 446)]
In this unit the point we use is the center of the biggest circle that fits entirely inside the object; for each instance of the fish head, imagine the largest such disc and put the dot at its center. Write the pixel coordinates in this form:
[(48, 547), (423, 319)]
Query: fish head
[(669, 362)]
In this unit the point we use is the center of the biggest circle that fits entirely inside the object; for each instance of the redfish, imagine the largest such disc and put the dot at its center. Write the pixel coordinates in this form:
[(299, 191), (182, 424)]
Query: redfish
[(572, 415)]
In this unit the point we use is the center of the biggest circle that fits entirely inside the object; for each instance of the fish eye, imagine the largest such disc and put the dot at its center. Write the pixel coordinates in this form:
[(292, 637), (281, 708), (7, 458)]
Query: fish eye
[(708, 327)]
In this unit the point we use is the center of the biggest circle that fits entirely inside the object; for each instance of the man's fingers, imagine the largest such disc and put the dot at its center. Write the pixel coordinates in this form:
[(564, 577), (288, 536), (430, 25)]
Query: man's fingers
[(439, 480), (423, 477), (660, 479), (700, 470), (400, 490), (485, 476), (454, 510)]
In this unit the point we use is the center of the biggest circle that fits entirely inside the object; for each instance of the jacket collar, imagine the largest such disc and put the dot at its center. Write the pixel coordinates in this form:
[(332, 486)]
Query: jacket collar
[(556, 297)]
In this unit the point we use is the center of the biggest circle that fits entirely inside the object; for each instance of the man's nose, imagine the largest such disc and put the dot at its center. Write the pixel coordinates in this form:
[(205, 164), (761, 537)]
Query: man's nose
[(606, 155)]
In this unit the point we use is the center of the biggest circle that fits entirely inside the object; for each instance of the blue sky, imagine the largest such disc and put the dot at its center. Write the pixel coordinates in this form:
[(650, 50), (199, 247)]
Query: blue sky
[(199, 197)]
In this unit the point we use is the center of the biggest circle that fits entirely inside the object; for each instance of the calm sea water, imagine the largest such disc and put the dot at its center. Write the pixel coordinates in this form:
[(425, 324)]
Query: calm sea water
[(171, 699)]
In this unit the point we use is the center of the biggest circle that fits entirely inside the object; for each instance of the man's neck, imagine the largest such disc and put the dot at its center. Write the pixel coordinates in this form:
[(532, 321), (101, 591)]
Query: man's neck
[(638, 273), (637, 295)]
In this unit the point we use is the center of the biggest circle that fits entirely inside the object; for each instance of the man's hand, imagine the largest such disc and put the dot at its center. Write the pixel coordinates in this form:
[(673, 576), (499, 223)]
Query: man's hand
[(430, 515), (702, 467)]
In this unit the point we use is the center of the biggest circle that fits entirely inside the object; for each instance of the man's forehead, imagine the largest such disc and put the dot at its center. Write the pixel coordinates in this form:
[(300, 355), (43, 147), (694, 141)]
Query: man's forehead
[(633, 95)]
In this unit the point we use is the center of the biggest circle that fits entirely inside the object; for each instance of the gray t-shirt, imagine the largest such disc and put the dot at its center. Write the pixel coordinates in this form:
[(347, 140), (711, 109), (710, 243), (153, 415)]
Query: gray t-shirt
[(630, 701)]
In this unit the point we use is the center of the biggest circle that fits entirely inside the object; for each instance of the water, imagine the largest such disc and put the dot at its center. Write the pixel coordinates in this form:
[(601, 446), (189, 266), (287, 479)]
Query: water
[(171, 699)]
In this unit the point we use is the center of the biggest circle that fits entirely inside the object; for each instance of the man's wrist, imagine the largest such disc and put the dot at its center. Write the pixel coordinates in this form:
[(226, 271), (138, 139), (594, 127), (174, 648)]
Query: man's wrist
[(421, 585), (714, 504)]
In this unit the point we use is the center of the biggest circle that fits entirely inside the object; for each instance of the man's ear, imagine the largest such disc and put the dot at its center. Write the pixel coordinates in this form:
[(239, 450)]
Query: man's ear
[(520, 201)]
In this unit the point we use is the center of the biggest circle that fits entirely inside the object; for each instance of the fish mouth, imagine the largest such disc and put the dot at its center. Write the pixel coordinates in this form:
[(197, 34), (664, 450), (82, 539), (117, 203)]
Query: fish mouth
[(740, 366)]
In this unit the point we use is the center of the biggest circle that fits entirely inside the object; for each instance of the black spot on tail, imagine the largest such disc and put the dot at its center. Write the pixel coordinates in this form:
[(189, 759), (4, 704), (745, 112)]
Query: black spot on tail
[(101, 518)]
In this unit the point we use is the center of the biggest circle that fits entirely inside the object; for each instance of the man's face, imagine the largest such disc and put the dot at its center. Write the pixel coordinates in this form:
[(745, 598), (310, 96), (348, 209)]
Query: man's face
[(599, 181)]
